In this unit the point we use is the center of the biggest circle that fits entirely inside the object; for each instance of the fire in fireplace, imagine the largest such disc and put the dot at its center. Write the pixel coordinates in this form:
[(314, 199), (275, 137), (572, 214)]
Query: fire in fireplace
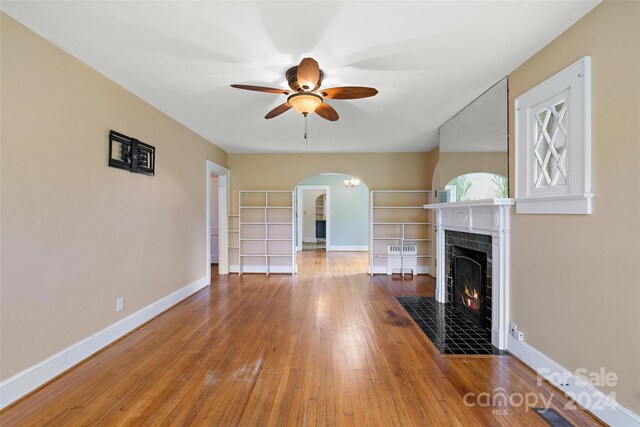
[(471, 299), (469, 283)]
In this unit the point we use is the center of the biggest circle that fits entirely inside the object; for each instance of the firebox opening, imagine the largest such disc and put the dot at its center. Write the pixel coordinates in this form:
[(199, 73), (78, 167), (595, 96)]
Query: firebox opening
[(469, 284)]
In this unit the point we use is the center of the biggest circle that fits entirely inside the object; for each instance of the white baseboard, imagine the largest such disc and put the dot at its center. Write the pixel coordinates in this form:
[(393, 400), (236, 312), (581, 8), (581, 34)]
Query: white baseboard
[(382, 269), (495, 339), (309, 240), (349, 248), (235, 268), (24, 382), (602, 406)]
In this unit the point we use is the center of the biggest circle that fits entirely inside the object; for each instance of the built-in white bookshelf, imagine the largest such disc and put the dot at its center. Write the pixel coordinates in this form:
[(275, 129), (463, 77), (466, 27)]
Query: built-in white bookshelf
[(234, 243), (265, 238), (400, 233), (320, 208)]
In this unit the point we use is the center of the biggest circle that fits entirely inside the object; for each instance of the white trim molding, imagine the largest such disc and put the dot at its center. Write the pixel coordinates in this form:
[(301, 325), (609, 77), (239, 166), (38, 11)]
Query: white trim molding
[(223, 216), (490, 217), (25, 382), (553, 144), (589, 397)]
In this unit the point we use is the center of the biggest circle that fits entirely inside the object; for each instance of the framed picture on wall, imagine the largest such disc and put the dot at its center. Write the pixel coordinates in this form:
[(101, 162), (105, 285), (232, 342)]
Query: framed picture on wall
[(130, 154)]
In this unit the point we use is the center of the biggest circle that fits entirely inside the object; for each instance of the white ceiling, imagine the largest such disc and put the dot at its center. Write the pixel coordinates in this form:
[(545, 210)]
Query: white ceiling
[(428, 59)]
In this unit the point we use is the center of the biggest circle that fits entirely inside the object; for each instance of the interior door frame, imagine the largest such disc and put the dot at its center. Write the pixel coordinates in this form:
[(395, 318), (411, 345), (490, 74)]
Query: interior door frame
[(299, 193), (215, 252), (223, 216)]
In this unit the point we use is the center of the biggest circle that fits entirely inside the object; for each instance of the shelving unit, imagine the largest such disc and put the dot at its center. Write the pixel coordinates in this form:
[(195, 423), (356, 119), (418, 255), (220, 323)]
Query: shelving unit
[(265, 238), (234, 243), (397, 217), (320, 204)]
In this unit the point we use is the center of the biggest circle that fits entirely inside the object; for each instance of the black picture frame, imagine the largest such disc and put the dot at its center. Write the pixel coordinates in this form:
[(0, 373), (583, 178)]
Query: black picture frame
[(131, 154)]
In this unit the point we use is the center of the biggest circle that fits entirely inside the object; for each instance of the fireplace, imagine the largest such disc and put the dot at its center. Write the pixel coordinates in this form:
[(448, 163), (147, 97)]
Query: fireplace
[(481, 225), (469, 283)]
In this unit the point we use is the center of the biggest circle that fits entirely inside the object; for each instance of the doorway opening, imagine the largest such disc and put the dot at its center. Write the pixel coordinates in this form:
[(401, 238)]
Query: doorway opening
[(313, 223), (332, 214), (217, 210)]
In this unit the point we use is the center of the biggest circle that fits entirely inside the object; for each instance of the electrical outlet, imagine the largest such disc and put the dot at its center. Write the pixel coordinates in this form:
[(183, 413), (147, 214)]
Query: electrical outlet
[(119, 303), (519, 335), (512, 329)]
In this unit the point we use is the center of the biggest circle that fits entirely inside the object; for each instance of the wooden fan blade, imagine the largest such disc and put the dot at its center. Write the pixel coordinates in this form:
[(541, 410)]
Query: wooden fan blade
[(349, 92), (278, 110), (262, 89), (326, 111), (308, 73)]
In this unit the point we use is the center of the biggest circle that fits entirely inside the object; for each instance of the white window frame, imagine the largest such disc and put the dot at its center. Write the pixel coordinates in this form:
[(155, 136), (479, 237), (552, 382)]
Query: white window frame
[(573, 84)]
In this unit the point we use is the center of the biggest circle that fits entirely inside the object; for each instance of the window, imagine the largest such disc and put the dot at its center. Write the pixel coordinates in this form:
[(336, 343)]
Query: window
[(553, 144), (550, 145), (477, 186)]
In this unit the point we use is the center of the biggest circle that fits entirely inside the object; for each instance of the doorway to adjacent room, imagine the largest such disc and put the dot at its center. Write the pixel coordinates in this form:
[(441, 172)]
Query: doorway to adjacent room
[(332, 214), (313, 217)]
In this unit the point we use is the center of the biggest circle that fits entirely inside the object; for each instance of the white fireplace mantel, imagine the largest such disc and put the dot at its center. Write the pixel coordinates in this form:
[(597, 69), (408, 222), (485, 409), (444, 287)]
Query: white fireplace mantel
[(489, 217)]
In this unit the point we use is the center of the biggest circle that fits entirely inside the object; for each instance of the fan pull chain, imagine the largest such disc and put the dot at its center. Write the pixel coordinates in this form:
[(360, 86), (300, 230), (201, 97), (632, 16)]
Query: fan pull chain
[(306, 129)]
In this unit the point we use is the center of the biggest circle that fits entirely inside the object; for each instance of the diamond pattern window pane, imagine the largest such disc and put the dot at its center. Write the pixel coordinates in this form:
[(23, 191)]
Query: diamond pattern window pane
[(550, 149)]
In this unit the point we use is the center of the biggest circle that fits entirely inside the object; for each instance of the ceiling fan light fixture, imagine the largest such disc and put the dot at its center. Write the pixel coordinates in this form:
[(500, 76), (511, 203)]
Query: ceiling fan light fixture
[(305, 102), (305, 81)]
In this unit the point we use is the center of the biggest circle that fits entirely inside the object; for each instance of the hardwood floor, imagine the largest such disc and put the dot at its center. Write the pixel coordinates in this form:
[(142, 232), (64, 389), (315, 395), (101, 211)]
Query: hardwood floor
[(330, 346)]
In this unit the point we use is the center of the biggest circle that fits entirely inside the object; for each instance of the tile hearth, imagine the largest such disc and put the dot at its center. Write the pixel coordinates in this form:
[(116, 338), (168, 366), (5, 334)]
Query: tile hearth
[(450, 331)]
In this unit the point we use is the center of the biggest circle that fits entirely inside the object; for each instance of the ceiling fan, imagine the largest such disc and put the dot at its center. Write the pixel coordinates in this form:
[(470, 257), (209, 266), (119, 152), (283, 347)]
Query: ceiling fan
[(306, 96)]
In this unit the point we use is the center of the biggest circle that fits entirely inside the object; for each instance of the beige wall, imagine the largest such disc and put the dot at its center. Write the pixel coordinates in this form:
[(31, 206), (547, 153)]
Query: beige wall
[(576, 279), (434, 159), (380, 171), (452, 165), (77, 234)]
